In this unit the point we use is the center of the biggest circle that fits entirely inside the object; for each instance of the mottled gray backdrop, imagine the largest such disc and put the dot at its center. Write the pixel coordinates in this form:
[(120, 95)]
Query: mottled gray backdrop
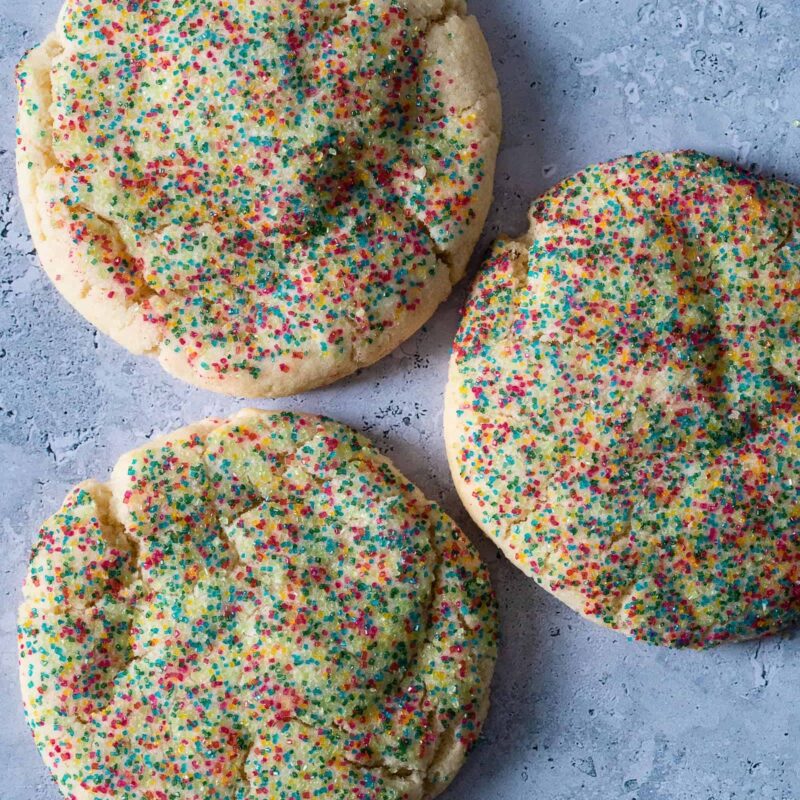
[(578, 713)]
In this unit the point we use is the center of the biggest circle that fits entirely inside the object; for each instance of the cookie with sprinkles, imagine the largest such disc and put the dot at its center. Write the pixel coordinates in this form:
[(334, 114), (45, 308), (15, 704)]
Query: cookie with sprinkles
[(255, 607), (623, 412), (263, 195)]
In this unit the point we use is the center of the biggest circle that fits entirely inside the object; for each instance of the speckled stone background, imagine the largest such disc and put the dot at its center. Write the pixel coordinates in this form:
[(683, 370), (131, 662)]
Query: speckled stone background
[(578, 713)]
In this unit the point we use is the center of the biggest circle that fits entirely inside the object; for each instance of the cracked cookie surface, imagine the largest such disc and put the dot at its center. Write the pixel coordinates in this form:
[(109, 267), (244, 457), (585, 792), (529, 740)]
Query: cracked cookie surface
[(265, 196), (622, 413), (255, 607)]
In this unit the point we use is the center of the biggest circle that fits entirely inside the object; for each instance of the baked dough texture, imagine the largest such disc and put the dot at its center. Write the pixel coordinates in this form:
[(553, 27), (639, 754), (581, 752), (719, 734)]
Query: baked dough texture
[(263, 195), (622, 413), (255, 608)]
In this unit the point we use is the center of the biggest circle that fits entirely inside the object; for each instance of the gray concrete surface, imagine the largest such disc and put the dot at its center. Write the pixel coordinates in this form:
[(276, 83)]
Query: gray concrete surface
[(578, 713)]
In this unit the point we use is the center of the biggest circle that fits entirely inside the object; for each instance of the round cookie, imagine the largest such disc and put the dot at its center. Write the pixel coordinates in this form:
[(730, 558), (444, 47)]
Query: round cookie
[(622, 413), (258, 607), (265, 196)]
